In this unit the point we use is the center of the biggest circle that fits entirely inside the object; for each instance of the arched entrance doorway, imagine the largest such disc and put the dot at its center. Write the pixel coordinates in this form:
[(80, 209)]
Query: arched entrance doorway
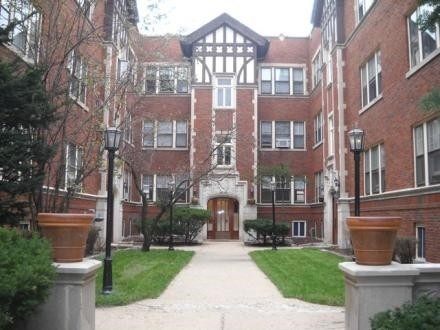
[(224, 222)]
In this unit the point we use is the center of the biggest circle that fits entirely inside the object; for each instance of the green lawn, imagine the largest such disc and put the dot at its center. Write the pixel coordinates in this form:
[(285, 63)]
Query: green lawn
[(139, 275), (306, 274)]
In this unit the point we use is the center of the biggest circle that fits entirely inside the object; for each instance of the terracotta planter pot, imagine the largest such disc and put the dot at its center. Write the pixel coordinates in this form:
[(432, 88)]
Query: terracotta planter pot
[(373, 238), (67, 234)]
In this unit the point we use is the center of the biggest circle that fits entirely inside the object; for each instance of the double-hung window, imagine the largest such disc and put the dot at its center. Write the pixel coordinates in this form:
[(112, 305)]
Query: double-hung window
[(316, 69), (298, 81), (266, 80), (73, 174), (427, 153), (422, 43), (182, 80), (126, 185), (223, 150), (362, 8), (224, 93), (420, 242), (375, 170), (319, 187), (166, 77), (25, 35), (282, 134), (181, 134), (299, 189), (282, 192), (148, 186), (128, 129), (298, 135), (148, 134), (181, 192), (150, 80), (162, 189), (77, 67), (266, 134), (165, 134), (371, 79), (318, 128), (265, 191), (282, 81), (285, 135)]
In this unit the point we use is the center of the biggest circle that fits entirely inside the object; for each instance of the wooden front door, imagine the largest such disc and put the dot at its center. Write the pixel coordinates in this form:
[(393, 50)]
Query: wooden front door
[(223, 223)]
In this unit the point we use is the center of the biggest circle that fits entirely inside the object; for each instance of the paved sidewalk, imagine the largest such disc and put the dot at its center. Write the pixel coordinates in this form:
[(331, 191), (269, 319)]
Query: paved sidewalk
[(221, 288)]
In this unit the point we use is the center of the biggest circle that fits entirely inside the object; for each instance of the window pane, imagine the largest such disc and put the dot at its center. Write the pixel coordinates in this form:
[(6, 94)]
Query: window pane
[(298, 81), (282, 74), (414, 40), (266, 134), (266, 87), (148, 134), (298, 139), (266, 74), (181, 134), (282, 130), (147, 186), (165, 134)]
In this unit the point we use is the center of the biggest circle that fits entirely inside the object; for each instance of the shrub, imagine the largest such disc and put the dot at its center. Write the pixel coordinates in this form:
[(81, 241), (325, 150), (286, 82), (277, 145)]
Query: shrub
[(423, 314), (26, 274), (404, 250), (191, 221), (91, 239), (262, 228), (187, 222)]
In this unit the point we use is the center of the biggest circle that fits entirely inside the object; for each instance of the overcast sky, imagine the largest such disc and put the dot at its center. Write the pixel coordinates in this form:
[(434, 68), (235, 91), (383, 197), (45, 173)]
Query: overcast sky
[(268, 18)]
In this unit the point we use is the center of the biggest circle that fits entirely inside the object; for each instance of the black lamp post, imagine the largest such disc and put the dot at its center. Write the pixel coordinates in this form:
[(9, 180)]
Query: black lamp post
[(273, 186), (171, 186), (356, 137), (112, 141)]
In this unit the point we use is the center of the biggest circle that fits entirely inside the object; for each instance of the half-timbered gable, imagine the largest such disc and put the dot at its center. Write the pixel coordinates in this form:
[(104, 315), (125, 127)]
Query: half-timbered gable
[(224, 47)]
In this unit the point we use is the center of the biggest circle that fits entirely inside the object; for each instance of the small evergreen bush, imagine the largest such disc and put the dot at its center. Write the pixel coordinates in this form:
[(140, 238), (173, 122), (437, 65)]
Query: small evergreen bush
[(404, 250), (26, 274), (423, 314), (262, 228)]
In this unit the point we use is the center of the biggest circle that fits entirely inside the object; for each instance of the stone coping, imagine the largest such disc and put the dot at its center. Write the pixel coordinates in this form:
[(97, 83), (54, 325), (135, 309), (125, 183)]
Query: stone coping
[(84, 267), (394, 269)]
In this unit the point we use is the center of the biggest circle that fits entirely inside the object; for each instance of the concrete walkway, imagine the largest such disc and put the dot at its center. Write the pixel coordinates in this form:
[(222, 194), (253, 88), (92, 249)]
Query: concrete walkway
[(221, 288)]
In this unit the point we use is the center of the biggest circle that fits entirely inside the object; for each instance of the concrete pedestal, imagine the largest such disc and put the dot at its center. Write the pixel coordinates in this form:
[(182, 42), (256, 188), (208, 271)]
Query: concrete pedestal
[(428, 281), (71, 305), (373, 289)]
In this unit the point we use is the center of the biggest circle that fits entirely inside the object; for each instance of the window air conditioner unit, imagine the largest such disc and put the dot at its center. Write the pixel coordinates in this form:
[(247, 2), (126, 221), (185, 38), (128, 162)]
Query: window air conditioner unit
[(282, 143)]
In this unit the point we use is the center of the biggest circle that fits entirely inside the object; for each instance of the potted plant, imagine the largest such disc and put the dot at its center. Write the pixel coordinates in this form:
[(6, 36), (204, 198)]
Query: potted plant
[(373, 238), (67, 233)]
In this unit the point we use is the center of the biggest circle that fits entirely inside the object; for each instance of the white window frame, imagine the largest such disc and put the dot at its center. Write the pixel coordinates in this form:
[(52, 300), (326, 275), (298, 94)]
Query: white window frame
[(146, 188), (420, 243), (318, 129), (425, 154), (223, 147), (79, 155), (291, 68), (304, 222), (319, 187), (126, 185), (317, 68), (381, 168), (284, 143), (180, 73), (77, 67), (31, 26), (421, 59), (217, 87), (364, 71), (366, 5), (331, 135)]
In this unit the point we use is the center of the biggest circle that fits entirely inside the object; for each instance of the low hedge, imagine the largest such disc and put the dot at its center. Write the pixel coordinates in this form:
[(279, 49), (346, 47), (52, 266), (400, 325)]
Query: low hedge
[(262, 229), (26, 274), (423, 314)]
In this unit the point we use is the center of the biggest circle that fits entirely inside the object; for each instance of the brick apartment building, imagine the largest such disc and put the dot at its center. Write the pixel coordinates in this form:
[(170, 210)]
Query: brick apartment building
[(224, 107)]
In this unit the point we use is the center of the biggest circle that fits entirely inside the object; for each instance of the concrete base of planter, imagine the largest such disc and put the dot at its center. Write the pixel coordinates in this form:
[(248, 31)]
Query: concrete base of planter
[(71, 305), (373, 289)]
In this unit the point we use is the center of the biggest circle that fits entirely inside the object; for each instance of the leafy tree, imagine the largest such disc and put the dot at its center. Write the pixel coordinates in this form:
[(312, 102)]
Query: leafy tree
[(25, 114)]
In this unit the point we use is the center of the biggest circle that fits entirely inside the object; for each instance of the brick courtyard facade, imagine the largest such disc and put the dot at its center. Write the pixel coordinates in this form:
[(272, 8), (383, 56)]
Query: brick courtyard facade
[(224, 107)]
